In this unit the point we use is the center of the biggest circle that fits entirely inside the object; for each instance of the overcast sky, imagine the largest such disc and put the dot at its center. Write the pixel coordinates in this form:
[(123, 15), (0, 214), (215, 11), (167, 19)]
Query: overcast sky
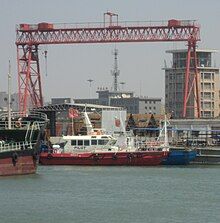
[(70, 66)]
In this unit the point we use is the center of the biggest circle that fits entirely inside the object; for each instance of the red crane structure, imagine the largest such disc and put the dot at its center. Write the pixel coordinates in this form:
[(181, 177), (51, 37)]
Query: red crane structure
[(29, 37)]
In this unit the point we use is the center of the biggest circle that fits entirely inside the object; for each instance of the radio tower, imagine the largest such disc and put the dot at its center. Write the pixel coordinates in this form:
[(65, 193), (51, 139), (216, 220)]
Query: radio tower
[(115, 72)]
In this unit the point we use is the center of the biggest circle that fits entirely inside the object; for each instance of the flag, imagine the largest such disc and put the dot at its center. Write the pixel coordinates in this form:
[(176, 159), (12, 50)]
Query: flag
[(73, 113), (117, 122)]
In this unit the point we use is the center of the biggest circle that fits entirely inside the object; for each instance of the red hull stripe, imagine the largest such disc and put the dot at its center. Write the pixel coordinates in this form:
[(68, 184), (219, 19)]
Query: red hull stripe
[(105, 159)]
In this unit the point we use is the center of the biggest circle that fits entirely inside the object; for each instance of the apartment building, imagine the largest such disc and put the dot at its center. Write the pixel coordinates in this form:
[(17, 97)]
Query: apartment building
[(209, 84)]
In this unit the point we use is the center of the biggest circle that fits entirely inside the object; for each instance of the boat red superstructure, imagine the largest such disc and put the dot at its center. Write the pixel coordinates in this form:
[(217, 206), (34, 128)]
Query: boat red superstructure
[(138, 158)]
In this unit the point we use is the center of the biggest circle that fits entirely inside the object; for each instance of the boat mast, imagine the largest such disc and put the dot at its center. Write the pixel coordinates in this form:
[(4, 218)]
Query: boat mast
[(166, 143), (165, 135), (9, 96), (88, 123)]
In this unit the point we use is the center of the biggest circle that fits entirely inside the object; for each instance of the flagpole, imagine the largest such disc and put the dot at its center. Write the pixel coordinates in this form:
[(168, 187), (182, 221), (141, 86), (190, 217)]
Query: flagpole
[(9, 96), (72, 125)]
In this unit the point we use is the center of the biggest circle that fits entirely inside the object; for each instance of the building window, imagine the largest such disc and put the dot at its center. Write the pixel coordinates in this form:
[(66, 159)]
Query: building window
[(207, 95), (213, 88), (207, 105), (207, 86), (207, 76), (207, 114)]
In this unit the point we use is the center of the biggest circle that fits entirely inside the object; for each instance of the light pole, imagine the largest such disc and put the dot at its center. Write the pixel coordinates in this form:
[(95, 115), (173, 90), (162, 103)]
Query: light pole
[(90, 85), (122, 84), (9, 100)]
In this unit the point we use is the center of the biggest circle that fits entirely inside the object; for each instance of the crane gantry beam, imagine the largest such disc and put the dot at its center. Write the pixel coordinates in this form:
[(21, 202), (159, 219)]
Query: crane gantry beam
[(107, 35), (29, 37)]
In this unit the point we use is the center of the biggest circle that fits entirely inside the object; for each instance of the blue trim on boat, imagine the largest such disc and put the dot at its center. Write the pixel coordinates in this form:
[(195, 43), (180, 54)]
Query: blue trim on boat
[(179, 157)]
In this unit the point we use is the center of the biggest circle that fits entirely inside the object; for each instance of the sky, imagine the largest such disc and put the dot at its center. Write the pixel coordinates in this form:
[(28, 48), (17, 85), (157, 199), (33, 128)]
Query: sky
[(70, 66)]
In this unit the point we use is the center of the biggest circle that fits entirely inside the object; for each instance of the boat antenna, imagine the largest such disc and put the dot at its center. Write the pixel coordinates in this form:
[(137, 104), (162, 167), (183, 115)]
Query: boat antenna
[(164, 130), (9, 96), (166, 143)]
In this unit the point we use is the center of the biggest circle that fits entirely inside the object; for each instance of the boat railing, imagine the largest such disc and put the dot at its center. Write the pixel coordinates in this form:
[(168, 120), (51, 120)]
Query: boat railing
[(20, 124), (11, 146), (31, 128), (21, 120), (33, 114)]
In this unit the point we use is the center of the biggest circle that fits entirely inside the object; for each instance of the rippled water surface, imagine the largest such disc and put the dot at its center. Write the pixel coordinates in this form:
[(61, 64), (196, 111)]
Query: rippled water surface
[(112, 194)]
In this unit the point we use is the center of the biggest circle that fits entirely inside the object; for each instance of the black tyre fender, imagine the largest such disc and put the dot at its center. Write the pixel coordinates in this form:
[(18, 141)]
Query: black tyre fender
[(14, 158), (35, 156), (114, 157), (49, 156), (130, 156)]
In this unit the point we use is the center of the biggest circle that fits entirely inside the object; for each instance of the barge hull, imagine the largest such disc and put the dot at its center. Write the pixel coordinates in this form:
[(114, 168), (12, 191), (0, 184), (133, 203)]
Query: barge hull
[(19, 166)]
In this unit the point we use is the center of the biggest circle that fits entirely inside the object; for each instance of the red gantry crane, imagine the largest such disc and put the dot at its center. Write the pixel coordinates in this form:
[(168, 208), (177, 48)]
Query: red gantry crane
[(29, 37)]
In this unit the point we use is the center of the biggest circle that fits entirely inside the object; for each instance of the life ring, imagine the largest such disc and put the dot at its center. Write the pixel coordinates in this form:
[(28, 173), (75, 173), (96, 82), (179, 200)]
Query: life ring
[(17, 124)]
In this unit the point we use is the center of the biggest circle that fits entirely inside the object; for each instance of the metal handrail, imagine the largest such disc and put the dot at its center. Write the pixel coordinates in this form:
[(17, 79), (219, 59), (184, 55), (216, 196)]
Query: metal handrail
[(33, 114), (18, 122), (11, 146), (21, 124)]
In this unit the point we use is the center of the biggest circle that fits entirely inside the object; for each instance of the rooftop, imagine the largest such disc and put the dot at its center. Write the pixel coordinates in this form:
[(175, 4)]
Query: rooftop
[(197, 50)]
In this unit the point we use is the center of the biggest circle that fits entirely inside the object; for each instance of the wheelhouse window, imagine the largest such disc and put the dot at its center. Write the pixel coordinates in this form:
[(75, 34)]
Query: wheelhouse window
[(102, 142), (80, 142), (73, 142), (86, 142), (93, 142)]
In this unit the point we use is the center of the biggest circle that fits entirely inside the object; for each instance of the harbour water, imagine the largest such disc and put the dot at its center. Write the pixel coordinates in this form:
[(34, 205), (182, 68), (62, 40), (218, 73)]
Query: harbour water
[(76, 194)]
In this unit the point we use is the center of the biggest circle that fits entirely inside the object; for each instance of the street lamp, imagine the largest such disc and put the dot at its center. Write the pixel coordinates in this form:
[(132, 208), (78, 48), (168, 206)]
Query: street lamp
[(90, 85), (122, 84)]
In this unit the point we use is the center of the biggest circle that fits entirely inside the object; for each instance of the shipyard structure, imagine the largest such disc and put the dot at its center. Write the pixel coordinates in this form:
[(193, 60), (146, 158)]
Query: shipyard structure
[(118, 97), (208, 85), (125, 99)]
